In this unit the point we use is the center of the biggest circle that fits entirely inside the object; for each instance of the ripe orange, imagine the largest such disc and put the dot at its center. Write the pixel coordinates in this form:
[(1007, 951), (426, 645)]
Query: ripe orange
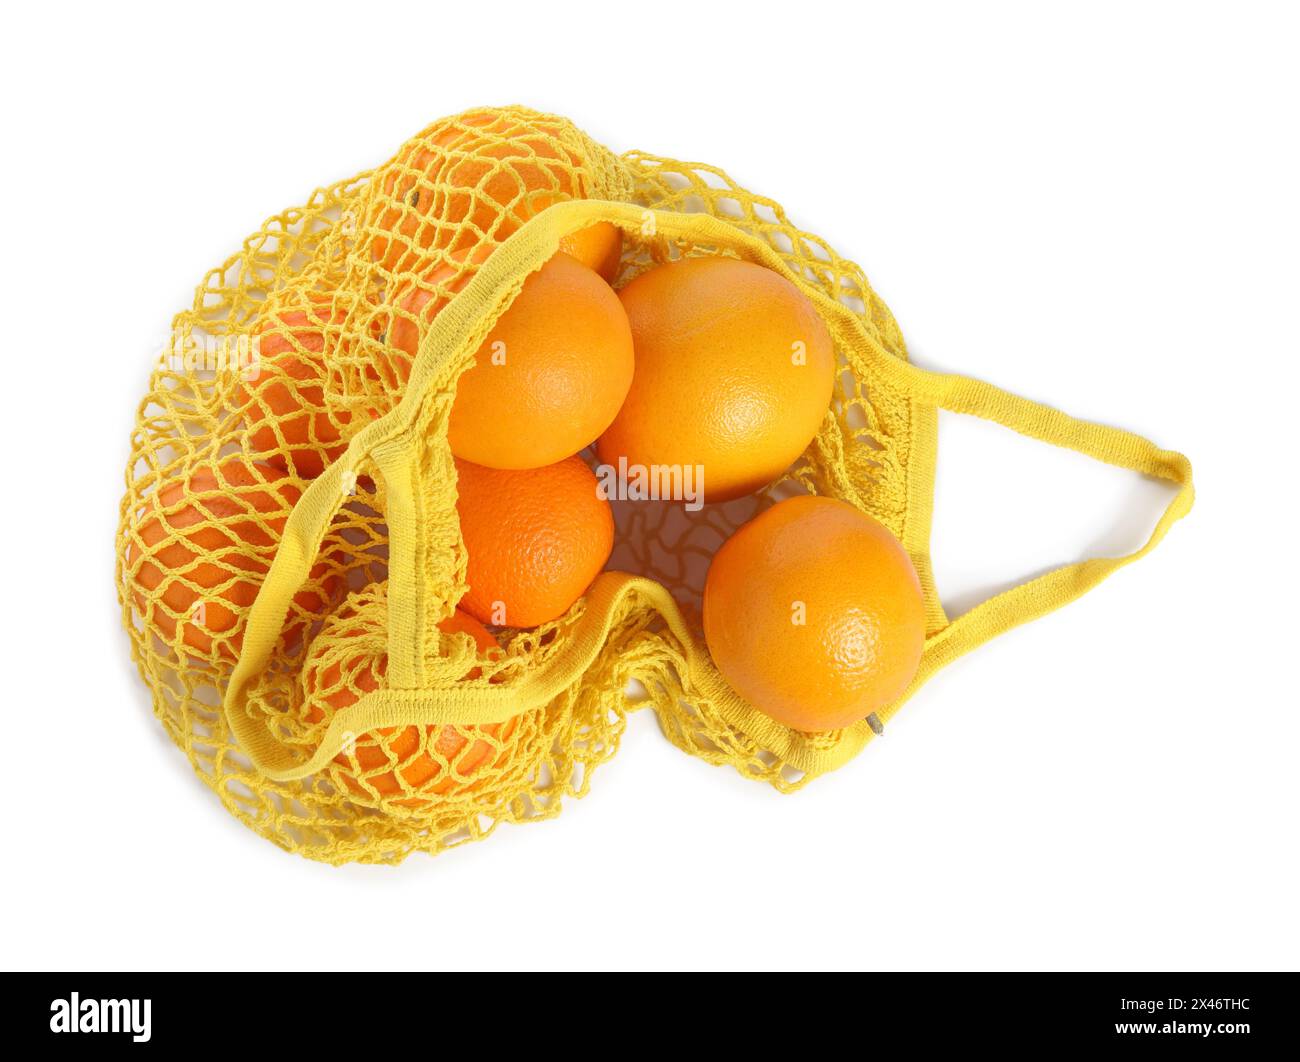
[(284, 404), (208, 540), (599, 247), (549, 377), (416, 756), (734, 370), (535, 539), (813, 613), (424, 301), (480, 176)]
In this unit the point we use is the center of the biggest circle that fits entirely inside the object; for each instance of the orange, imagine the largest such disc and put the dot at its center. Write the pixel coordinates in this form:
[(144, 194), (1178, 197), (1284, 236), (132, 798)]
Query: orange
[(208, 539), (734, 370), (813, 613), (403, 749), (549, 377), (284, 402), (599, 247), (421, 302), (535, 539), (479, 177)]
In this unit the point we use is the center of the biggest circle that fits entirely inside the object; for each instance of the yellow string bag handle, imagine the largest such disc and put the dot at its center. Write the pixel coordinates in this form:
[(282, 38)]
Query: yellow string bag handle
[(392, 442), (1058, 587)]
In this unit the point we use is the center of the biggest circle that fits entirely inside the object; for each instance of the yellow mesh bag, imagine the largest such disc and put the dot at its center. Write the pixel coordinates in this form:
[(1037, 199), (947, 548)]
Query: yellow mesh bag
[(288, 542)]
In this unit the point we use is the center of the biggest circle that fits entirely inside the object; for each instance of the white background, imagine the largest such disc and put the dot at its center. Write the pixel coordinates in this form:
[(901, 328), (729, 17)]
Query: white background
[(1097, 209)]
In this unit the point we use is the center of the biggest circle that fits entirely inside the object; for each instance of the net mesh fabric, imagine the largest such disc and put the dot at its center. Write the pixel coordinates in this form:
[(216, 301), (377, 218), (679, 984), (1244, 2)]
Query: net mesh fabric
[(327, 289)]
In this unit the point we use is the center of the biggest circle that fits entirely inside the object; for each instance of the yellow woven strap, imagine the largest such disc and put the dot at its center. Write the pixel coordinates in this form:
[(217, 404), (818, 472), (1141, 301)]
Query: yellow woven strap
[(1041, 595), (470, 705)]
